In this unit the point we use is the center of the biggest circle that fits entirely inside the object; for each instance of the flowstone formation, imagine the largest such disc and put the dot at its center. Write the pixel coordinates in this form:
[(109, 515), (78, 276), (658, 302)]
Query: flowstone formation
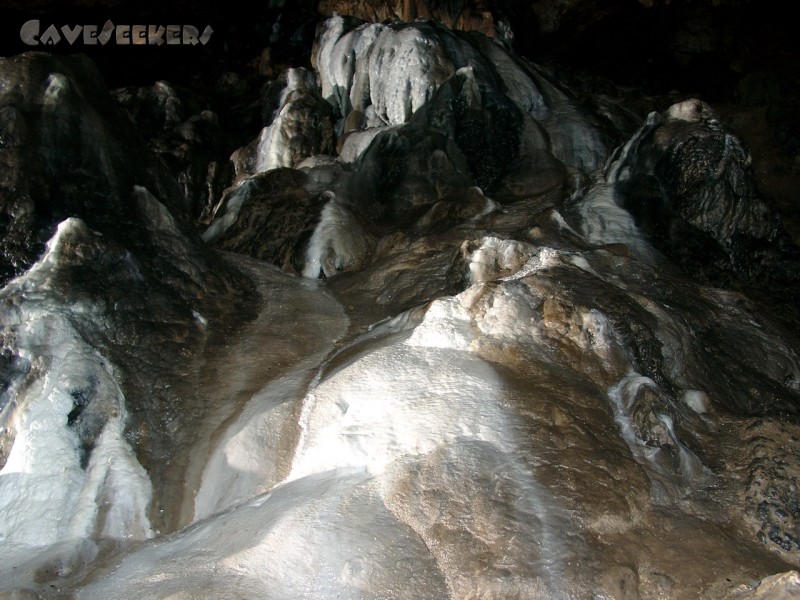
[(452, 330)]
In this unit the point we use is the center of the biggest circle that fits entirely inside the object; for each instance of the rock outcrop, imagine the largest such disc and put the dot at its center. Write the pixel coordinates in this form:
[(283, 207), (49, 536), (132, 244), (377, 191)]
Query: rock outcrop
[(454, 329)]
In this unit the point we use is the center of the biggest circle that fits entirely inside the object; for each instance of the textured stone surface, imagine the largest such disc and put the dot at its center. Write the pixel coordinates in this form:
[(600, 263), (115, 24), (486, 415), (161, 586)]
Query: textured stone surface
[(481, 359), (692, 189)]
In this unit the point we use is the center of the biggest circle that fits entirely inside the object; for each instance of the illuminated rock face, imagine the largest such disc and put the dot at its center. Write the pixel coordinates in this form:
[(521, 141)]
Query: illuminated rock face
[(689, 184), (121, 277), (442, 354)]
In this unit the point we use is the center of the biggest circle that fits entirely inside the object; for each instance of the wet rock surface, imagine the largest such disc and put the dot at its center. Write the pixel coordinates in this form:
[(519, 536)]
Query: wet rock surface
[(449, 329), (124, 278), (692, 190)]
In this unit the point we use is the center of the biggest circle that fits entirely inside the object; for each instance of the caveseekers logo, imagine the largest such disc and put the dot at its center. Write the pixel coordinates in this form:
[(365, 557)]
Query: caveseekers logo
[(137, 35)]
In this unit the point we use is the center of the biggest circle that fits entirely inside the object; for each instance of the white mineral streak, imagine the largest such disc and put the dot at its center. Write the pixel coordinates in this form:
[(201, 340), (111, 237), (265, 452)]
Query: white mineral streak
[(339, 242), (294, 134), (236, 198), (603, 221), (671, 483)]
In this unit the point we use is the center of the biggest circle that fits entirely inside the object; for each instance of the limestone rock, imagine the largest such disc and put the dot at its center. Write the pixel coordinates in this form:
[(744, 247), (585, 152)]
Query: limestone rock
[(688, 182)]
